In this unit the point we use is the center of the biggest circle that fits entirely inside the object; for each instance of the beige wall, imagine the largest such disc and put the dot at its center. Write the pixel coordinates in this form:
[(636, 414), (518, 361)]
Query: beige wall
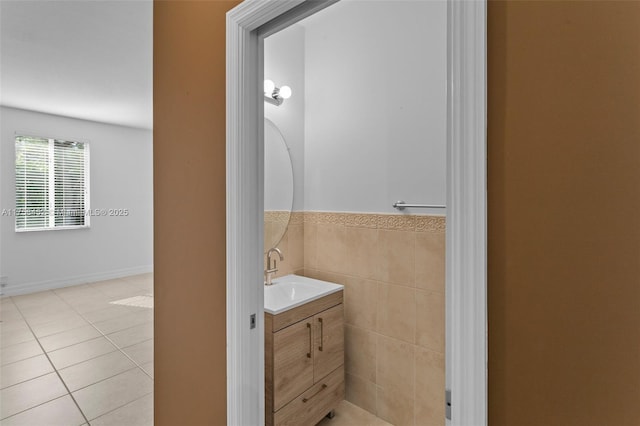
[(189, 198), (564, 245), (564, 204)]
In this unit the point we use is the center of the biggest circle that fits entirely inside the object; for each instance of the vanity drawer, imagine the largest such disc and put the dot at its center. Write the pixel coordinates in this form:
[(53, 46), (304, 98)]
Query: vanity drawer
[(315, 403), (292, 316)]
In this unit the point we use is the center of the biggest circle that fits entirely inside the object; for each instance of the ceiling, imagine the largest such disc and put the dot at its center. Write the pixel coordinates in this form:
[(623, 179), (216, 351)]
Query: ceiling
[(83, 59)]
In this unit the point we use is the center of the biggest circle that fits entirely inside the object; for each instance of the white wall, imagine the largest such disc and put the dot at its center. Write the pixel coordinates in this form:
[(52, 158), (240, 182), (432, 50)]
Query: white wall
[(375, 110), (284, 64), (121, 177)]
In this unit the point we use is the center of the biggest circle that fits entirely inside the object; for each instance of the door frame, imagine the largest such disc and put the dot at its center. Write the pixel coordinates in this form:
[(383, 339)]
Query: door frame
[(466, 230)]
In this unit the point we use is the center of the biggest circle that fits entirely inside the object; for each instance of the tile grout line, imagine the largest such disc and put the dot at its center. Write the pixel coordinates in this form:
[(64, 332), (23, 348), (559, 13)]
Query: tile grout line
[(54, 368), (36, 406), (88, 323), (117, 348), (376, 280), (58, 332), (137, 366), (26, 380), (117, 408), (20, 360), (107, 337), (106, 378)]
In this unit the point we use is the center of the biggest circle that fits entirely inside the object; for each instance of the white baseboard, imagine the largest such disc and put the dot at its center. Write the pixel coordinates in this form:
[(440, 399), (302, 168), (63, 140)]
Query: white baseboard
[(26, 288)]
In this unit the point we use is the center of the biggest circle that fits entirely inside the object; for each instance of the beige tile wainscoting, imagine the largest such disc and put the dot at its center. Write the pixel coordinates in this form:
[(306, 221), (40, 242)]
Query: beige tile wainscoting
[(392, 267), (291, 243)]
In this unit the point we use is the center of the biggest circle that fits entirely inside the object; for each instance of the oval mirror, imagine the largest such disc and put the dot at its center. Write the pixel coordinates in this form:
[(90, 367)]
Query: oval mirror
[(278, 185)]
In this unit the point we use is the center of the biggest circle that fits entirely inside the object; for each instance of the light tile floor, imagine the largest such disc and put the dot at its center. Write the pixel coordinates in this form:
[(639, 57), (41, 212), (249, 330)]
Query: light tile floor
[(348, 414), (74, 357), (79, 356)]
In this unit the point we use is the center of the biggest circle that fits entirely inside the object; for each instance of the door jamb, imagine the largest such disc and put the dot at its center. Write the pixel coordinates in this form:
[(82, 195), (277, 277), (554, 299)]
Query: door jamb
[(466, 251)]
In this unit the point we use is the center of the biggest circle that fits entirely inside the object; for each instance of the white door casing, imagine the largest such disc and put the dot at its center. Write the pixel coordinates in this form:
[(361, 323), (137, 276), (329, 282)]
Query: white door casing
[(466, 254)]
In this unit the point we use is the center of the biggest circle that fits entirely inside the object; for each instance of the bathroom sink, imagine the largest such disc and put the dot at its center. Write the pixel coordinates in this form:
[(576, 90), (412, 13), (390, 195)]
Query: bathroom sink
[(291, 291)]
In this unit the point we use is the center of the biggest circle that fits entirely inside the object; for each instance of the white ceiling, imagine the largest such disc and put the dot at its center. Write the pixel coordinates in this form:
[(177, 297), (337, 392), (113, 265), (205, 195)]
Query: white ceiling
[(84, 59)]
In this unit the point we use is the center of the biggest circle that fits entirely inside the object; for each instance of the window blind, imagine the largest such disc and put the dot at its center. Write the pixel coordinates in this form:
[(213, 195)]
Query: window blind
[(51, 183), (32, 182), (69, 183)]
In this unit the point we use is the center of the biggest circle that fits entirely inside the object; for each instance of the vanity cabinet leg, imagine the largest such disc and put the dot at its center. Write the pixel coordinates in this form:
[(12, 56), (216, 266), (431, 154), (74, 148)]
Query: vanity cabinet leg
[(331, 414)]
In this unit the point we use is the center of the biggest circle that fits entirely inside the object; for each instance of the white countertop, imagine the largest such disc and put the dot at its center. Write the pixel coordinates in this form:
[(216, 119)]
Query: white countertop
[(291, 291)]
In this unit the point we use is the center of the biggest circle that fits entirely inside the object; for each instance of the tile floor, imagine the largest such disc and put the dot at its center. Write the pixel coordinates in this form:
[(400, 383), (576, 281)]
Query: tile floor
[(348, 414), (83, 355), (78, 355)]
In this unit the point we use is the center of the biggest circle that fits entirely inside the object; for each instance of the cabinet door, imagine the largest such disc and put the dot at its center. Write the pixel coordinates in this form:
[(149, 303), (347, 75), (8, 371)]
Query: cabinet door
[(329, 341), (292, 362)]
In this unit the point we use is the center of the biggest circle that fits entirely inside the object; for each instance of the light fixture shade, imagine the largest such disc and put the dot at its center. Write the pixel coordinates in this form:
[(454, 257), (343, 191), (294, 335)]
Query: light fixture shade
[(285, 92), (269, 87)]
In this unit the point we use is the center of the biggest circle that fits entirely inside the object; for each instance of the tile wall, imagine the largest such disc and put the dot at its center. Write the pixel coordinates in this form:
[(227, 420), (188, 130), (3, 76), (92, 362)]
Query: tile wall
[(392, 267), (291, 244)]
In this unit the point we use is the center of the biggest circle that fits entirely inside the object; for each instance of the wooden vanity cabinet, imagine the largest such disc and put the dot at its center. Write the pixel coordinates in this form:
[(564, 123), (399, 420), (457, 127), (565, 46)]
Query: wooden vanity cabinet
[(293, 362), (304, 362), (329, 341)]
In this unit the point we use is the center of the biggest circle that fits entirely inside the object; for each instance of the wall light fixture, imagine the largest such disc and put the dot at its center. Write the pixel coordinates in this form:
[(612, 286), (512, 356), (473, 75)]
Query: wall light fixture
[(275, 95)]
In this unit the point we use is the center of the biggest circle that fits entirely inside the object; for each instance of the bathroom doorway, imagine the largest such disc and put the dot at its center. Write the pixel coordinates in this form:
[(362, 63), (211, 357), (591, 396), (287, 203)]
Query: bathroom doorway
[(364, 122), (363, 114)]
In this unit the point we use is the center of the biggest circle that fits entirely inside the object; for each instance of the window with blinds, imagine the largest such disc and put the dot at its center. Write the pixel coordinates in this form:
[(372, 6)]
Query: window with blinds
[(52, 190)]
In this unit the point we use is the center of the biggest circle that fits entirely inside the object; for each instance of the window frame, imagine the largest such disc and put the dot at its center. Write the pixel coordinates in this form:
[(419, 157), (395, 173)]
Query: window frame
[(51, 190)]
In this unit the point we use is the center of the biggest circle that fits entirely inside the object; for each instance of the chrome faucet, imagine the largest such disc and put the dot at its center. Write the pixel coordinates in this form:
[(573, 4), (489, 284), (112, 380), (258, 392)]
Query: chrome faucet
[(272, 270)]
